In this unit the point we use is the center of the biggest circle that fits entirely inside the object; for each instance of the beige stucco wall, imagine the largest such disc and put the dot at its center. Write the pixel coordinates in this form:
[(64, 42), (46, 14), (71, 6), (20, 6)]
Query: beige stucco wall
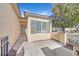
[(37, 36), (59, 36), (9, 23), (23, 24), (0, 48)]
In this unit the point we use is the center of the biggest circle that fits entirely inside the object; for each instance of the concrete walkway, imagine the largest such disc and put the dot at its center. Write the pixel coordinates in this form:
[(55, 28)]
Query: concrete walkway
[(34, 48)]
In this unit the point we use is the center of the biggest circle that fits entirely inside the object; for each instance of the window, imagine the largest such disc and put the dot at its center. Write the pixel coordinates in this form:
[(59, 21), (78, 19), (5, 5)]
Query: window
[(43, 29), (33, 26), (39, 27)]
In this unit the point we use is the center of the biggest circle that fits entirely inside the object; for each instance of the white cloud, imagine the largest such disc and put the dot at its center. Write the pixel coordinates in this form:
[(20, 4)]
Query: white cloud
[(44, 13)]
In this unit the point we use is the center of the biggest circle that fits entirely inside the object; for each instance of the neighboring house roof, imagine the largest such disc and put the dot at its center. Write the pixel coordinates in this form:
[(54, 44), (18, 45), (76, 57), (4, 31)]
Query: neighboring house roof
[(26, 14)]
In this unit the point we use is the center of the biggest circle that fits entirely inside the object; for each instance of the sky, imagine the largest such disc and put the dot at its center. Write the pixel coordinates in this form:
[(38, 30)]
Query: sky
[(38, 8)]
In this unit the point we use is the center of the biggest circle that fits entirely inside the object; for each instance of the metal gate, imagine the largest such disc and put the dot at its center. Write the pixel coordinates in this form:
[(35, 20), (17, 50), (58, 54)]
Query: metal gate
[(4, 46)]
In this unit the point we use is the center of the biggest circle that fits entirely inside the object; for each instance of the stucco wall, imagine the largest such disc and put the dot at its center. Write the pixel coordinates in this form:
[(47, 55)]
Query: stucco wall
[(37, 36), (23, 23), (59, 36), (0, 50), (9, 23)]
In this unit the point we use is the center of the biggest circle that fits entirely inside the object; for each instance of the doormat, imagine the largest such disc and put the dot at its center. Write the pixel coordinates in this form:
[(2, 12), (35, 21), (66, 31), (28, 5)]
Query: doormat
[(61, 51)]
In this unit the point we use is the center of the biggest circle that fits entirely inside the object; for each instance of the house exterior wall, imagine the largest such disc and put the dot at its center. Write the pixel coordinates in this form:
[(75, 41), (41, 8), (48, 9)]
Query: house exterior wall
[(9, 23), (37, 36), (23, 24), (0, 48)]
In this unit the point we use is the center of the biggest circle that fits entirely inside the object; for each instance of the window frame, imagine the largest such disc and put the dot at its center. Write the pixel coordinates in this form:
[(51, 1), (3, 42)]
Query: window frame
[(42, 29)]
